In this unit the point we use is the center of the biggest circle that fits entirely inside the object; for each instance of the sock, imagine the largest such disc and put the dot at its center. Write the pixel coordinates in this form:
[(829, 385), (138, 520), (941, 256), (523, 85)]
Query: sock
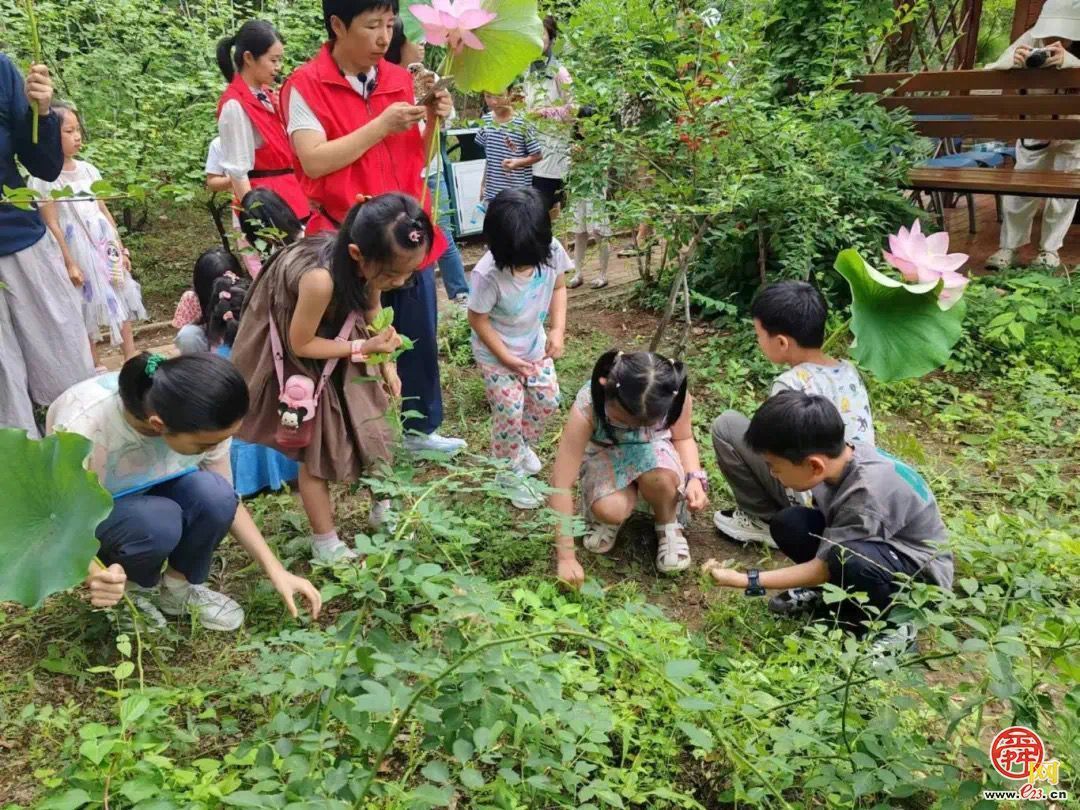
[(174, 585), (325, 541)]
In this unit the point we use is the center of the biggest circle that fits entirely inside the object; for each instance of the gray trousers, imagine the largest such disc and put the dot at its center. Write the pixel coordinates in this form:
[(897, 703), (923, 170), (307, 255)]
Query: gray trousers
[(757, 493), (43, 345)]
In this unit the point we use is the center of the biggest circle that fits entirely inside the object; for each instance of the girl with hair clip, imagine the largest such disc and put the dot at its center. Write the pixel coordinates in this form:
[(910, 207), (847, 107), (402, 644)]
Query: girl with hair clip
[(195, 305), (628, 436), (255, 147), (303, 346), (160, 432)]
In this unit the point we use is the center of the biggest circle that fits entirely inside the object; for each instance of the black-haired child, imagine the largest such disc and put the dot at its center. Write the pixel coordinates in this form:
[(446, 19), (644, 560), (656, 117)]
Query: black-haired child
[(875, 522), (628, 436), (510, 146), (97, 261), (268, 224), (789, 319), (160, 431), (305, 330), (195, 305), (517, 286)]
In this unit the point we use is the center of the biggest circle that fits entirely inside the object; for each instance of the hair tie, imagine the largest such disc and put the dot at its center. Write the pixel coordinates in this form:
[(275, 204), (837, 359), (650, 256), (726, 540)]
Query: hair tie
[(415, 237), (230, 275), (225, 295), (152, 363), (228, 316)]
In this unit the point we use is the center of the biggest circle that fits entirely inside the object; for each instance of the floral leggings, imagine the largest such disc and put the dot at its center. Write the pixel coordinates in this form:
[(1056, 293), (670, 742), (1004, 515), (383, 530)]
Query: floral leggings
[(519, 406)]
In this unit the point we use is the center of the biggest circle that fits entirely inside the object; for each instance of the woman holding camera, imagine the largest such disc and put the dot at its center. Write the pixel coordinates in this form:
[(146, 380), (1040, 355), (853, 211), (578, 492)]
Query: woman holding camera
[(1051, 43)]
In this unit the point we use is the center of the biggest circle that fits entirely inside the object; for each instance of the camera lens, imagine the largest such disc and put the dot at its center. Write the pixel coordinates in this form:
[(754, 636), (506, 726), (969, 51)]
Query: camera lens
[(1036, 59)]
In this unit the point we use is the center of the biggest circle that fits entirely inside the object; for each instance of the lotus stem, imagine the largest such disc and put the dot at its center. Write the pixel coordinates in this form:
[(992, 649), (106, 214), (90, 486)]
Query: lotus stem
[(35, 49)]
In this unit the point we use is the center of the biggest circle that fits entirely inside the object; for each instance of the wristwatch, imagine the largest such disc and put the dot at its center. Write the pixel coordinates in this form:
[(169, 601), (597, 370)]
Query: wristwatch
[(698, 475), (753, 583)]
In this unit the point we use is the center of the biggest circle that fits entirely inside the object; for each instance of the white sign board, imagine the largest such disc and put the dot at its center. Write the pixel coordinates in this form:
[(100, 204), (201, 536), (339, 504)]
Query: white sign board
[(468, 175)]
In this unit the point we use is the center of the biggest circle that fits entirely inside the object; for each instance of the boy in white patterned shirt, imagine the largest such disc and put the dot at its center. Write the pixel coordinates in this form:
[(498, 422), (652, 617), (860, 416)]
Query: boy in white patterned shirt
[(789, 319)]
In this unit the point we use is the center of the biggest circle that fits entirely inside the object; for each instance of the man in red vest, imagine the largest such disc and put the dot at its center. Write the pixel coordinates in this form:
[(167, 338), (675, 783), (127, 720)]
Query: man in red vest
[(355, 132)]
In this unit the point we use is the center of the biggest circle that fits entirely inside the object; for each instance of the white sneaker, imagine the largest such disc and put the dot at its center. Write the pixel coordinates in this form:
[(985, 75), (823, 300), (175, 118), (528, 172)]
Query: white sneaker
[(1046, 261), (891, 644), (523, 491), (742, 528), (529, 463), (143, 599), (215, 610), (433, 443), (1001, 259), (331, 553)]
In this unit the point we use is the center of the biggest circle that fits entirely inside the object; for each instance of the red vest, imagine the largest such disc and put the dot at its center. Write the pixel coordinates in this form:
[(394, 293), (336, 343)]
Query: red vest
[(394, 164), (275, 155)]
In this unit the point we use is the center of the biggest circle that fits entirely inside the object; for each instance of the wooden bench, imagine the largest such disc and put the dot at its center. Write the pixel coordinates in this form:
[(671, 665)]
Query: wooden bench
[(994, 104)]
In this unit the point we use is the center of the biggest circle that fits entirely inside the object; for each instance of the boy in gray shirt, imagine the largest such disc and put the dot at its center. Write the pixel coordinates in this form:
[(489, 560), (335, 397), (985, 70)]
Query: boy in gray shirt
[(789, 319), (875, 524)]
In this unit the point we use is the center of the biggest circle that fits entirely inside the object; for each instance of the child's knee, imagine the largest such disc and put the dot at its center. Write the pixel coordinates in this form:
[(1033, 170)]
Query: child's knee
[(658, 484), (616, 508), (729, 428)]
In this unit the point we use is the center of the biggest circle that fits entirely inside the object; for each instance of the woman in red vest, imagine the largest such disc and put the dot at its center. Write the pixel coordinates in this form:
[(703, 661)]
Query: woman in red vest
[(255, 148), (354, 127)]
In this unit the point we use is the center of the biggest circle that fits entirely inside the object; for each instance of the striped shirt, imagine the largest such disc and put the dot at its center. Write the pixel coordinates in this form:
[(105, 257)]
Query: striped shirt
[(515, 139)]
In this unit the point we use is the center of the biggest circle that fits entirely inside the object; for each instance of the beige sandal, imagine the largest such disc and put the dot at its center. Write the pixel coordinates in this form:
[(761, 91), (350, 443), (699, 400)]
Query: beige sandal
[(673, 554), (601, 538)]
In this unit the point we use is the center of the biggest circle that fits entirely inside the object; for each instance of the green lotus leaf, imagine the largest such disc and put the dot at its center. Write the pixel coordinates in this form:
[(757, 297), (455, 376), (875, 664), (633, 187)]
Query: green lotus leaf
[(512, 42), (52, 507), (900, 330)]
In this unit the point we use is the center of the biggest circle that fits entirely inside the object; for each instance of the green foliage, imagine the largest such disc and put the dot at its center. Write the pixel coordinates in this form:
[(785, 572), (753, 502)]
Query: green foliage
[(900, 329), (51, 507)]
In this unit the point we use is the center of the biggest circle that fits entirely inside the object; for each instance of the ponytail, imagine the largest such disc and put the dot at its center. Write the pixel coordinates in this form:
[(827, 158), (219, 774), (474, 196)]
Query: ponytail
[(255, 37), (227, 304), (225, 57), (380, 228), (191, 393), (647, 386)]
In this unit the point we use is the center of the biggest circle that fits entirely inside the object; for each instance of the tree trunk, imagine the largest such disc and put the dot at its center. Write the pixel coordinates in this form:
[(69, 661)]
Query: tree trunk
[(678, 284)]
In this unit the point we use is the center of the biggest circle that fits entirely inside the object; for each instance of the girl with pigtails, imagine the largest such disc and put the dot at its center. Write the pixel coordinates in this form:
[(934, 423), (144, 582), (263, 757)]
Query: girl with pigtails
[(628, 437)]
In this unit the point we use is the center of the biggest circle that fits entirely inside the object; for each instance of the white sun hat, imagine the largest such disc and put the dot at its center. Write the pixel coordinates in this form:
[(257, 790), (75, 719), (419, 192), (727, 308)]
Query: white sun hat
[(1059, 18)]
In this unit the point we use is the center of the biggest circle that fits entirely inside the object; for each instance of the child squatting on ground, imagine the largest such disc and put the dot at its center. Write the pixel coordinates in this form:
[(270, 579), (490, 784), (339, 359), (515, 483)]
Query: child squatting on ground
[(628, 436), (516, 286), (875, 523), (789, 319), (160, 431)]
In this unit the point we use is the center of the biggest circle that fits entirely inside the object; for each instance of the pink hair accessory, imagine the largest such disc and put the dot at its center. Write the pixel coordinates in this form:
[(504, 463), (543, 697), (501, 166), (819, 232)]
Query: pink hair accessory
[(225, 295), (415, 237), (228, 316)]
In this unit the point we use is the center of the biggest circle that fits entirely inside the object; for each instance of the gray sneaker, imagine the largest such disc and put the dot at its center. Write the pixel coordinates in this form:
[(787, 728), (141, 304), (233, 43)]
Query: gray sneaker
[(742, 528), (216, 611), (893, 642), (524, 493)]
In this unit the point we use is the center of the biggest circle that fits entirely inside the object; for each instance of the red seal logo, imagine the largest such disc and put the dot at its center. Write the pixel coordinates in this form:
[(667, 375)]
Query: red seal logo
[(1017, 751)]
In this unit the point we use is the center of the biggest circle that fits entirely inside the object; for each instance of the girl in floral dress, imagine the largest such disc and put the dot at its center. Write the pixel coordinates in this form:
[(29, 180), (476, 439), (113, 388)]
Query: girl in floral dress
[(628, 437), (96, 260)]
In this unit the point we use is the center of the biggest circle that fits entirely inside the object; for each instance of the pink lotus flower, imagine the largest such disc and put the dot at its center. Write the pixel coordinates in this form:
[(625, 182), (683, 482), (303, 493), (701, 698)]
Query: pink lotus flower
[(452, 22), (923, 259)]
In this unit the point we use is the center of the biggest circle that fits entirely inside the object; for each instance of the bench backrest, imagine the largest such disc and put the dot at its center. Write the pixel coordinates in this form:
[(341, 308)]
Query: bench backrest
[(983, 103)]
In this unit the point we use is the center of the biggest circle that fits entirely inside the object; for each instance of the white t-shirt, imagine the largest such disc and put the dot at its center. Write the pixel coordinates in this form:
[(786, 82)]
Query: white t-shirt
[(516, 306), (213, 158), (125, 461), (301, 116), (842, 386)]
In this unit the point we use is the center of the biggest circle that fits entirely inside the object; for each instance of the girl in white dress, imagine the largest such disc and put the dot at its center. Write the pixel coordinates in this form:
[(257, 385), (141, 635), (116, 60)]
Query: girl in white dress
[(97, 262)]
